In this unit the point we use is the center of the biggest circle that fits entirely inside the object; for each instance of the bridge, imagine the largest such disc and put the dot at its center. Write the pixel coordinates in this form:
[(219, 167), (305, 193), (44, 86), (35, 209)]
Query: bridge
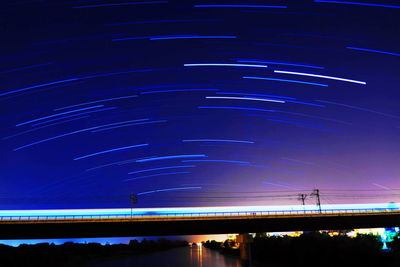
[(185, 221)]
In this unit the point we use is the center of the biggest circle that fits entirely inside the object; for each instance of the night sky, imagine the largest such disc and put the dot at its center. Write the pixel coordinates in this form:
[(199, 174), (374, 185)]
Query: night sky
[(198, 103)]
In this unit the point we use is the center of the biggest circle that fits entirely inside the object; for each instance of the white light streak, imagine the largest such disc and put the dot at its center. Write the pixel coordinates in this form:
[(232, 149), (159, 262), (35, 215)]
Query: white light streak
[(320, 76)]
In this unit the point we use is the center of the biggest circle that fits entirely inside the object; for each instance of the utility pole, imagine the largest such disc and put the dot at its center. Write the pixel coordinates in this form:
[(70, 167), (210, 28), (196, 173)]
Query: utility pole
[(134, 200), (315, 193), (303, 197)]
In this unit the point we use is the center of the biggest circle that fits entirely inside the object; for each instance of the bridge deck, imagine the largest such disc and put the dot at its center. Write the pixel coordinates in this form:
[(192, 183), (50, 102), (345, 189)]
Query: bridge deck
[(67, 226)]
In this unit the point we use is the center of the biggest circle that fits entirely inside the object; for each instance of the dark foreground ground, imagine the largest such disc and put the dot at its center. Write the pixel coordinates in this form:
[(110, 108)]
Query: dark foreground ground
[(72, 254), (316, 249)]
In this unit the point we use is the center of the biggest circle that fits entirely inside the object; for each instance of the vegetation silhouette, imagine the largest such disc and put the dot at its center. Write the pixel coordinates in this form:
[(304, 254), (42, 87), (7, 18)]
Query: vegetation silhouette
[(317, 249), (74, 254)]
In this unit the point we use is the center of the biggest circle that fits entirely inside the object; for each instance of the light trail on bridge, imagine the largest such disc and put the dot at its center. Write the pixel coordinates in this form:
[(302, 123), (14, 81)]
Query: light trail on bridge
[(195, 210)]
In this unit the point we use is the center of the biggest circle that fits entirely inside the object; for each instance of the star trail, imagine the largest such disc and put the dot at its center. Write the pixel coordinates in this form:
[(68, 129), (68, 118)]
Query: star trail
[(187, 103)]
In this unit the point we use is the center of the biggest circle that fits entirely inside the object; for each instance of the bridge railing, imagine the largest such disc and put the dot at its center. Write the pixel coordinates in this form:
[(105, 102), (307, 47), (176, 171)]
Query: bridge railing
[(230, 214)]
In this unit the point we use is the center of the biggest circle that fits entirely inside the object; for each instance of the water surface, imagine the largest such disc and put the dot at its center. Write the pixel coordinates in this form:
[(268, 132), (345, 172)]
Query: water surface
[(196, 256)]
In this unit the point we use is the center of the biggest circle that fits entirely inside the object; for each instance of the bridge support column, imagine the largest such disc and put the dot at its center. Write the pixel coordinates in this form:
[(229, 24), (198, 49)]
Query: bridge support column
[(245, 241)]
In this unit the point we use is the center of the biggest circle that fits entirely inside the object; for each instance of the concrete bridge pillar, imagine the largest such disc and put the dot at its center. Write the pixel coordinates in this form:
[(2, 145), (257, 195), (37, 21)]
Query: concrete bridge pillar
[(245, 241)]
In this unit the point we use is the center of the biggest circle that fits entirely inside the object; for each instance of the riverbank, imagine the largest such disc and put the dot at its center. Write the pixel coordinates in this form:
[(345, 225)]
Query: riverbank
[(73, 254), (315, 249)]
